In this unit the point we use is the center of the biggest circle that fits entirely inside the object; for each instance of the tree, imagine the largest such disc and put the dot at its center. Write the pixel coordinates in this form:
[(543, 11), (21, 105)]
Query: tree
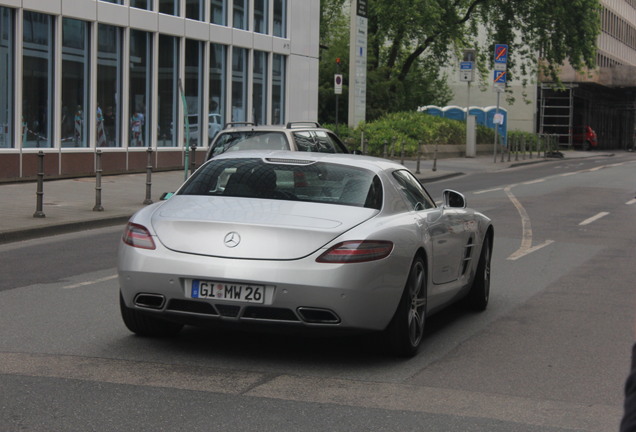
[(407, 37)]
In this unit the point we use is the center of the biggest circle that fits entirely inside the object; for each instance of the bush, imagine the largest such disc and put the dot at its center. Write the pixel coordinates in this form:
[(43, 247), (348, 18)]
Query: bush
[(408, 129)]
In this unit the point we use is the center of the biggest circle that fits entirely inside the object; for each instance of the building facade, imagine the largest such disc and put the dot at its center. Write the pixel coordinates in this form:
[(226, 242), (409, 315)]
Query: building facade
[(119, 77)]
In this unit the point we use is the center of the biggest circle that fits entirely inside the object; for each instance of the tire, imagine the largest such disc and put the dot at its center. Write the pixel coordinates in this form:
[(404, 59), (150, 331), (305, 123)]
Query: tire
[(144, 324), (586, 146), (405, 331), (479, 294)]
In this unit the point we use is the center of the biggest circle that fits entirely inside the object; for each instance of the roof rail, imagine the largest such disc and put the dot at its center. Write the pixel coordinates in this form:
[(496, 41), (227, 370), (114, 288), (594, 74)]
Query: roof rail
[(232, 124), (304, 123)]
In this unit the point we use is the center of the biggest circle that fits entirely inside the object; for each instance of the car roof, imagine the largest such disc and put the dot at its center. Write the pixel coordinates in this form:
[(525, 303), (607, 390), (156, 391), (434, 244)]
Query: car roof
[(291, 127), (369, 162)]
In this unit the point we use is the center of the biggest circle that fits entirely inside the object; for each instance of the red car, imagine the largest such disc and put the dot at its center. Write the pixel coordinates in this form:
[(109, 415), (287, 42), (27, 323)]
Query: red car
[(584, 137)]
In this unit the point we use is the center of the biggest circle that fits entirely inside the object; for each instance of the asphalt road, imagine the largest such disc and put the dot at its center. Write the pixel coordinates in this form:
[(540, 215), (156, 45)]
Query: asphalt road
[(550, 354)]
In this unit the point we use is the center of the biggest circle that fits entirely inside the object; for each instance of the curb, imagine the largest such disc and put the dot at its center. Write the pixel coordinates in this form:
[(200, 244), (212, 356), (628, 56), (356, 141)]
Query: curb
[(45, 231)]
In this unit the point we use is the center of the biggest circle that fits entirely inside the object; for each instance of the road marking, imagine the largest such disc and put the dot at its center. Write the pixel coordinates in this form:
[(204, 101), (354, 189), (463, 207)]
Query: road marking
[(630, 202), (526, 230), (541, 180), (93, 282), (521, 253), (569, 174), (594, 218), (544, 414), (487, 190)]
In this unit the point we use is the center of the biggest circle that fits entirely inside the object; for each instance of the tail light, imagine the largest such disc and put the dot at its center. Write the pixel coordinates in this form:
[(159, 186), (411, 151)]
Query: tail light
[(138, 236), (357, 251)]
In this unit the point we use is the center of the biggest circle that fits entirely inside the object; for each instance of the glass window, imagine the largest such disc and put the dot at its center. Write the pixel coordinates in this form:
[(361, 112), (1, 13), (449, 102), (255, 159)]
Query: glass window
[(239, 84), (193, 91), (259, 88), (109, 72), (239, 16), (325, 183), (218, 12), (37, 79), (113, 1), (140, 87), (280, 18), (413, 191), (141, 4), (169, 7), (218, 82), (6, 78), (278, 89), (74, 125), (261, 9), (168, 91), (194, 9)]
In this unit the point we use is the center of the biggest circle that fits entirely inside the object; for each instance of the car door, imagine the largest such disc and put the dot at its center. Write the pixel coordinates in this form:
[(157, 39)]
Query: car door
[(444, 226)]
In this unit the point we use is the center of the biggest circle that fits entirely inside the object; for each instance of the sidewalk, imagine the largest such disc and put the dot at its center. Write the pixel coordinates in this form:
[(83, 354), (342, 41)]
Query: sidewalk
[(68, 204)]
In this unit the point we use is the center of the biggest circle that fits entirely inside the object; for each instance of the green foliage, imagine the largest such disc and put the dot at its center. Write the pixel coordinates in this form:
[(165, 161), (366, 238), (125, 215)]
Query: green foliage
[(410, 39), (407, 129)]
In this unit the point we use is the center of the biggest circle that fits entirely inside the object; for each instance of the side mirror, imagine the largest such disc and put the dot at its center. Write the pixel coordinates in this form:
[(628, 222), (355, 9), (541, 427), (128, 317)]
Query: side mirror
[(453, 199), (166, 195)]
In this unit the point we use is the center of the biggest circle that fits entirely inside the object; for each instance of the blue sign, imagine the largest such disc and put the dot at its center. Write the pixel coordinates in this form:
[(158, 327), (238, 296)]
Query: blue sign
[(466, 66), (501, 53), (499, 77)]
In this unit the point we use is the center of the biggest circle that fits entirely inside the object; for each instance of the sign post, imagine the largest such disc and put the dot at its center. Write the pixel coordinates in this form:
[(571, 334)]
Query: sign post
[(466, 68), (358, 62), (499, 85)]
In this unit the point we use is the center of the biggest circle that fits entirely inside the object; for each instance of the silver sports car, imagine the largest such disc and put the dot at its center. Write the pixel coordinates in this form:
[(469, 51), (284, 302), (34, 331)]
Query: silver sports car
[(311, 241)]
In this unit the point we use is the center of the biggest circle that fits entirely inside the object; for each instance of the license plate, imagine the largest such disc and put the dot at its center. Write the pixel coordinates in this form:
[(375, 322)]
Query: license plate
[(227, 291)]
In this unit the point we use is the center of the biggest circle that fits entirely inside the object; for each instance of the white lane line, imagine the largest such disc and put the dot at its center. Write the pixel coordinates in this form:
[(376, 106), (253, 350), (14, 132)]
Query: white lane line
[(630, 202), (594, 218), (568, 174), (93, 282), (487, 190), (541, 180), (521, 253), (526, 227)]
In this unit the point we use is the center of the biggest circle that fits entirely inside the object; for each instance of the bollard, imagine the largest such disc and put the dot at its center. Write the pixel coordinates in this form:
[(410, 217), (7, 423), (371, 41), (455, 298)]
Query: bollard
[(193, 163), (98, 181), (40, 192), (435, 158), (393, 147), (148, 200), (402, 153), (419, 157), (384, 152), (365, 146)]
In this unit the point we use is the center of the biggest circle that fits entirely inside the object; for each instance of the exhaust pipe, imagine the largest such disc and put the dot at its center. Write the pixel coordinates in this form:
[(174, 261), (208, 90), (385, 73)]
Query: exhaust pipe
[(150, 301), (318, 316)]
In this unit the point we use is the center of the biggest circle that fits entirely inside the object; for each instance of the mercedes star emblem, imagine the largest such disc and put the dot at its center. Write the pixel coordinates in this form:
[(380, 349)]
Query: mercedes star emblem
[(232, 239)]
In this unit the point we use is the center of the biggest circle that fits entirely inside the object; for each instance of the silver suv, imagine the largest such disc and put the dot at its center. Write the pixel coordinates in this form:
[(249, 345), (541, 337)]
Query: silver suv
[(295, 136)]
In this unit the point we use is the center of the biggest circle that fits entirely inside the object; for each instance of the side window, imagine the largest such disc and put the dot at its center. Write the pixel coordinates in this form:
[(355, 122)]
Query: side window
[(327, 143), (304, 141), (413, 191)]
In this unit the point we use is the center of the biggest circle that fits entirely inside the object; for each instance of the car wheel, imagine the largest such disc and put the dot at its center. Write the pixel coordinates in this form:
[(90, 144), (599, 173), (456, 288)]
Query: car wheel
[(406, 329), (144, 324), (479, 293), (586, 146)]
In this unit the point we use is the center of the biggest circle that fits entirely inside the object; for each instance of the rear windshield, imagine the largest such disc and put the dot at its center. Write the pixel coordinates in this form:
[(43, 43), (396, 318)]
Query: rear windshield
[(249, 140), (319, 182)]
